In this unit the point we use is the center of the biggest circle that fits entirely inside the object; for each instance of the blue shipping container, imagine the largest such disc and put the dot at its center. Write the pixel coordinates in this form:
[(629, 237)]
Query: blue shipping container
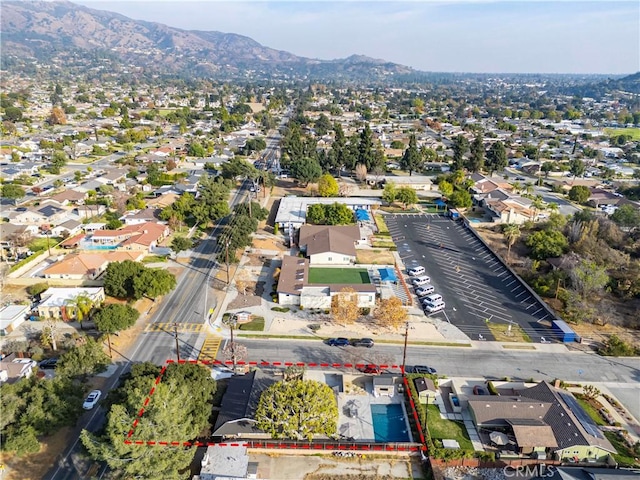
[(563, 331)]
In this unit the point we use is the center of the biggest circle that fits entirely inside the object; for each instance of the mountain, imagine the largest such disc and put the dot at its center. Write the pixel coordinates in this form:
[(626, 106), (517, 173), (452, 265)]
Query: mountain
[(62, 32)]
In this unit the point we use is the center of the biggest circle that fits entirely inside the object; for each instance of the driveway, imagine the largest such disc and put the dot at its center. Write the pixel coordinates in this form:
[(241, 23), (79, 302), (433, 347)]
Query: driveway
[(475, 286)]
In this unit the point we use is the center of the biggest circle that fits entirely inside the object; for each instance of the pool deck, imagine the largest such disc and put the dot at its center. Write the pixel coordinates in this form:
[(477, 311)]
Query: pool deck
[(354, 412)]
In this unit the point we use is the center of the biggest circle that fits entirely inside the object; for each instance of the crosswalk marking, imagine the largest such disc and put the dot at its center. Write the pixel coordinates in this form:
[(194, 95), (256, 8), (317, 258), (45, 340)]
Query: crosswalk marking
[(169, 327), (210, 348)]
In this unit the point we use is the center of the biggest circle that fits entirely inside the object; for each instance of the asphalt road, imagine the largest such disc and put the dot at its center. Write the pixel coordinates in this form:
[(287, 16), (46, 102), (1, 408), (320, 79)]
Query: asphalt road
[(474, 284), (187, 306), (457, 362)]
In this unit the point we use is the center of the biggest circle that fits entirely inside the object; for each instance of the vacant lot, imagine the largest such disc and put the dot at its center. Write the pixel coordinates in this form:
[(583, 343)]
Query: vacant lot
[(375, 257), (330, 276)]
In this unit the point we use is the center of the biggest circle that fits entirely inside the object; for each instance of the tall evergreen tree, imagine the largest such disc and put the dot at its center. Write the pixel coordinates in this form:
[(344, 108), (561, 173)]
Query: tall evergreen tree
[(497, 158), (460, 147), (476, 162), (411, 161), (366, 154)]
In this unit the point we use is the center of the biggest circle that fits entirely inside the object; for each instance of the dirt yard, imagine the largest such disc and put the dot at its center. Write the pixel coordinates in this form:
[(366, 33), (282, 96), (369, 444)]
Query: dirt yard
[(375, 257), (620, 309), (269, 244)]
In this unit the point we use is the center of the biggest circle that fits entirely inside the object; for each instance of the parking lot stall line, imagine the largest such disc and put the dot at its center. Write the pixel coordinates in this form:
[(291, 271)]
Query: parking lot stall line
[(522, 293), (510, 283), (476, 306)]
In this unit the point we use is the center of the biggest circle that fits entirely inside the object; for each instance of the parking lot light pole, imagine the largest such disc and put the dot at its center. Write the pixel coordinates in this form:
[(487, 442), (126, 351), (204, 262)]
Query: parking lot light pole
[(175, 335)]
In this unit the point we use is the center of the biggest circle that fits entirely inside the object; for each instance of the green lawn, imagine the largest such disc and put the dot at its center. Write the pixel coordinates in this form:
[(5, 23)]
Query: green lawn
[(634, 132), (40, 243), (591, 411), (329, 276), (255, 325), (440, 429), (382, 226)]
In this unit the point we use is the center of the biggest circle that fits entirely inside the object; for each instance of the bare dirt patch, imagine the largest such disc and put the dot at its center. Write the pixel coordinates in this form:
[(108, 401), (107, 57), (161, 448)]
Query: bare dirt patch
[(375, 257), (36, 465), (15, 293), (269, 244), (244, 301)]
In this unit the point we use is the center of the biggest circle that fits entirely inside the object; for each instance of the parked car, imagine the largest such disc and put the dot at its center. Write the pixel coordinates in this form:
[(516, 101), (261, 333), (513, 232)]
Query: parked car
[(92, 399), (421, 369), (423, 280), (426, 290), (363, 342), (433, 307), (521, 179), (371, 368), (220, 372), (338, 342), (48, 364), (415, 271), (479, 390)]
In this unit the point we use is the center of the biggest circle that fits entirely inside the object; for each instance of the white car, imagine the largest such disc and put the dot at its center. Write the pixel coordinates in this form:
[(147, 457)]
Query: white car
[(92, 399), (433, 307), (426, 290), (416, 271), (220, 372), (423, 280)]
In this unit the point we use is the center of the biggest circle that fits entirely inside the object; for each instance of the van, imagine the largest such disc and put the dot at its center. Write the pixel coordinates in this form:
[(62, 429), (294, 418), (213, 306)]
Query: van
[(415, 271), (433, 298), (431, 307), (423, 280), (426, 290)]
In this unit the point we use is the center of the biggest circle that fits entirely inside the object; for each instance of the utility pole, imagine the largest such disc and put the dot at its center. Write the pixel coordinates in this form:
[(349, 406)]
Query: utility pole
[(233, 344), (226, 252), (404, 352), (175, 334), (109, 343)]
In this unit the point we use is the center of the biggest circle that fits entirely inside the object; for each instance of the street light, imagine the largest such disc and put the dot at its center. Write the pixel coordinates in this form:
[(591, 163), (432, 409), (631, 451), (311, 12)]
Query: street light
[(226, 252), (175, 335)]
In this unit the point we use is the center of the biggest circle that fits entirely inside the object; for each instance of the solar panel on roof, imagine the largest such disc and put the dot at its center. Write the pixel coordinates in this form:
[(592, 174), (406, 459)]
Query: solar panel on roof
[(590, 427)]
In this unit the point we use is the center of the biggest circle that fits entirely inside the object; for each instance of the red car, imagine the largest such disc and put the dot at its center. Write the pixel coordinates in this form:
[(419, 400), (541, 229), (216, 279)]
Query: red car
[(371, 368)]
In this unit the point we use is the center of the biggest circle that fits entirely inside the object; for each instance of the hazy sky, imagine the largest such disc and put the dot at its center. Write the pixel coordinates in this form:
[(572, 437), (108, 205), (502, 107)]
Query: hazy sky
[(562, 36)]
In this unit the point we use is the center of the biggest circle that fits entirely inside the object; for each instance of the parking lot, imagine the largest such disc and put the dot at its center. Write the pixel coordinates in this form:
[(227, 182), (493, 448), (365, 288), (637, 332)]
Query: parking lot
[(475, 286)]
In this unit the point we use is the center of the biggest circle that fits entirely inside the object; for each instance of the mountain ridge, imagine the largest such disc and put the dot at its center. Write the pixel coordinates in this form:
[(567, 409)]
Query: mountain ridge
[(44, 28)]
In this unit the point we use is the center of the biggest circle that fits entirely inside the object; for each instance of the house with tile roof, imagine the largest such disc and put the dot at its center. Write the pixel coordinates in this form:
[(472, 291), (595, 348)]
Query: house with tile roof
[(543, 420), (143, 236), (87, 266)]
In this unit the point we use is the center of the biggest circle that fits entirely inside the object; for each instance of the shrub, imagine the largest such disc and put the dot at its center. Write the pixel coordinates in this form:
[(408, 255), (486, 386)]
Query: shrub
[(492, 389), (314, 327), (365, 311)]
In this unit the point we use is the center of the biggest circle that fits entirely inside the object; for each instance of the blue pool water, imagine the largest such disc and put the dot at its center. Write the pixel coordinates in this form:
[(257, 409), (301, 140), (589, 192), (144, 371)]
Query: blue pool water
[(88, 246), (389, 424)]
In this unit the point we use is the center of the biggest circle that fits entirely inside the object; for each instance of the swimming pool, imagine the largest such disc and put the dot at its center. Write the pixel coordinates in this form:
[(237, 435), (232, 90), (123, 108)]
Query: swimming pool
[(389, 424), (89, 246)]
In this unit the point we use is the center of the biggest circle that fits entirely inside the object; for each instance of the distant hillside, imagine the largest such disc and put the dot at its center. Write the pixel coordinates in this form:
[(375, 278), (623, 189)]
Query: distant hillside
[(52, 32)]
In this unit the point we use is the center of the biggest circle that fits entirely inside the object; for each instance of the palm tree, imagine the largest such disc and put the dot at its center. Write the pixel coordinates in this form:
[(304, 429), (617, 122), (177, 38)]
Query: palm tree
[(80, 306), (537, 204), (516, 186), (553, 207), (511, 233), (528, 188)]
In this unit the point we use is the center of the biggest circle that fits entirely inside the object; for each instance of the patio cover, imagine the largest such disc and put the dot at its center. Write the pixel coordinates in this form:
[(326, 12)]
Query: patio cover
[(388, 275)]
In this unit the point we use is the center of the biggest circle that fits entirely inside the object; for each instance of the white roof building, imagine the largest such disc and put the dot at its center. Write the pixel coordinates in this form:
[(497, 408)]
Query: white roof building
[(293, 210)]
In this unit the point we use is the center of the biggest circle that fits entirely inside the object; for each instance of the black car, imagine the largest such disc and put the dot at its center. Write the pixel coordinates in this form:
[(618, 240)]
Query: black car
[(362, 342), (49, 363), (421, 369)]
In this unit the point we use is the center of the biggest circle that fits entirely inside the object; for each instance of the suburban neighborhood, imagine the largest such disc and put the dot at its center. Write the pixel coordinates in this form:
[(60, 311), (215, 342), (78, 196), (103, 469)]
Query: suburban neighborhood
[(314, 279)]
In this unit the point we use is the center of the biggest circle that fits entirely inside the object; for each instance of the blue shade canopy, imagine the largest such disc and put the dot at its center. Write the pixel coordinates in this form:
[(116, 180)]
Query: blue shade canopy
[(388, 274), (362, 215), (440, 203)]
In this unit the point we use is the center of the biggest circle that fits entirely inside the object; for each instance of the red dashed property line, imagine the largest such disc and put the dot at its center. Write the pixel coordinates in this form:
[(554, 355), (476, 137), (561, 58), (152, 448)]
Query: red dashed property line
[(290, 364), (283, 445), (146, 402)]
